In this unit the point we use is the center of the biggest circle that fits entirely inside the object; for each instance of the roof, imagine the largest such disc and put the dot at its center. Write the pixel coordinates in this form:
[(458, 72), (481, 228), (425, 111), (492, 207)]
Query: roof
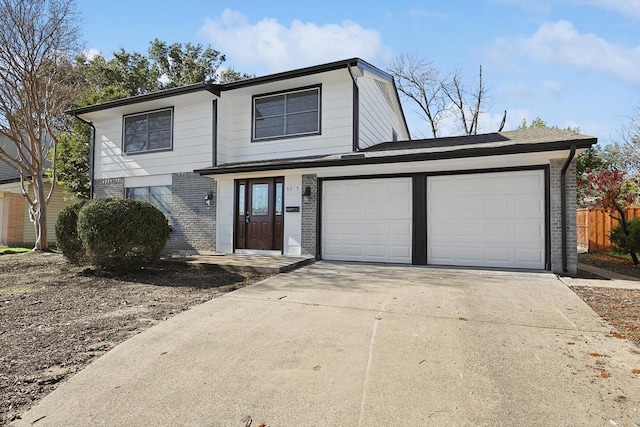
[(216, 89), (490, 144)]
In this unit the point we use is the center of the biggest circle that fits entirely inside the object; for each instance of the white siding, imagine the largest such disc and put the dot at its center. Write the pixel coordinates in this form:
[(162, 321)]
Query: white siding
[(56, 204), (380, 112), (234, 121), (192, 139), (224, 205), (377, 119), (292, 220)]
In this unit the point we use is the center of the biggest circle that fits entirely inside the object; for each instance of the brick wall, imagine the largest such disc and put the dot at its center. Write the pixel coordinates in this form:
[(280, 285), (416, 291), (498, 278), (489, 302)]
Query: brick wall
[(112, 187), (556, 217), (309, 215), (194, 222)]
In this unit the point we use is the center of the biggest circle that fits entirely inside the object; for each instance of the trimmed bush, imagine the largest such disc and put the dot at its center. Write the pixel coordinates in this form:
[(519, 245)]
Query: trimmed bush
[(122, 234), (626, 244), (67, 234)]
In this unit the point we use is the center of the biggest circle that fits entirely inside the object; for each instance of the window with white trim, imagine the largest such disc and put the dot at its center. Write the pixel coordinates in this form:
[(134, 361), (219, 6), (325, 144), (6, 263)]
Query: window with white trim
[(158, 196), (152, 131), (294, 113)]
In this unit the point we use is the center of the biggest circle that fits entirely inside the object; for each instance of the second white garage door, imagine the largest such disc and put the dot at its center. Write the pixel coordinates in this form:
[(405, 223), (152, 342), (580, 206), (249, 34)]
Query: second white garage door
[(487, 220), (367, 220)]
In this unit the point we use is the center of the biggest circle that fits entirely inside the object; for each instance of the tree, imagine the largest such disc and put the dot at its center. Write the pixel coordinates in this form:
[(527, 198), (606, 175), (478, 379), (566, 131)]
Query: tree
[(610, 189), (37, 40), (181, 64), (127, 74), (439, 95)]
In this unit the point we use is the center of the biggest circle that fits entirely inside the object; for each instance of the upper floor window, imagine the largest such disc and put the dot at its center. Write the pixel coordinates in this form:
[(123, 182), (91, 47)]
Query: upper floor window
[(287, 114), (150, 131)]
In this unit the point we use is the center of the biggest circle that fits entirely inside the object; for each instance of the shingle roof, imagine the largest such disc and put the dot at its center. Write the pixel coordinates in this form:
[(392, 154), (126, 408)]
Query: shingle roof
[(491, 144)]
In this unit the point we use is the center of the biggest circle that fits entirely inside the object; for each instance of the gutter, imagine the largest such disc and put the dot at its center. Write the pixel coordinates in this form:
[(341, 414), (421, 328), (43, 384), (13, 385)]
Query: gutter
[(92, 149), (356, 111), (563, 206)]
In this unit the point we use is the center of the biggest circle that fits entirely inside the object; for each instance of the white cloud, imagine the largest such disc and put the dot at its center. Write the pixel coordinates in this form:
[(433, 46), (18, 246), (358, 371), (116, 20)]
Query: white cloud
[(91, 53), (553, 87), (276, 47), (627, 8), (560, 43)]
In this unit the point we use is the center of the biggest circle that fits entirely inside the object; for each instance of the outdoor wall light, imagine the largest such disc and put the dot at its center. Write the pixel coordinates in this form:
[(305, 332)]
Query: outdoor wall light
[(306, 195), (208, 198)]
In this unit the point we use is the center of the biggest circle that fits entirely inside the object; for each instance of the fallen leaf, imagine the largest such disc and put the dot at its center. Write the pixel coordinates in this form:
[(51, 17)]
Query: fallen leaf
[(163, 353), (463, 318), (616, 334), (262, 425), (635, 371), (316, 368), (604, 374), (595, 354), (571, 343)]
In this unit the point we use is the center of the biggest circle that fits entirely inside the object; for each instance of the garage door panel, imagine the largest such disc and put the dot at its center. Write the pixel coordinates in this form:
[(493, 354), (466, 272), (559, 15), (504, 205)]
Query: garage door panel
[(501, 225), (379, 230)]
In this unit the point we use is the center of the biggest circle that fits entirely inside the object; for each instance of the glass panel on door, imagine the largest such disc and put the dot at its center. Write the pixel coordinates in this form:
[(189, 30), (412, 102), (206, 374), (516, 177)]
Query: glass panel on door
[(260, 199)]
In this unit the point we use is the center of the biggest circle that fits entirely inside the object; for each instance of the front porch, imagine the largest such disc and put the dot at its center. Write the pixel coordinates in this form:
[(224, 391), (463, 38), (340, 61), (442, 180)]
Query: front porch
[(266, 264)]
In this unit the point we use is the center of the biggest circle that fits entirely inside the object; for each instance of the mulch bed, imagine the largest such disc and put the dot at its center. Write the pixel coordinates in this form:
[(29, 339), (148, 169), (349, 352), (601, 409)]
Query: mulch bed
[(56, 319)]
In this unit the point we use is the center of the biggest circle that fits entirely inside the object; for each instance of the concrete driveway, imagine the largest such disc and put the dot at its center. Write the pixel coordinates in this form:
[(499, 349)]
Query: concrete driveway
[(365, 345)]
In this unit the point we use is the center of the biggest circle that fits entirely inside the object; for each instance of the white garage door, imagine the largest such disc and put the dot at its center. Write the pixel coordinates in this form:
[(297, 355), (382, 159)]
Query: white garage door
[(367, 220), (487, 220)]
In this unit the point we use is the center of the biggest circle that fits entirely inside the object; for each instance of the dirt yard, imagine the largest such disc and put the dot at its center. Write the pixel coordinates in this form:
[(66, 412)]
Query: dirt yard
[(55, 320), (620, 307)]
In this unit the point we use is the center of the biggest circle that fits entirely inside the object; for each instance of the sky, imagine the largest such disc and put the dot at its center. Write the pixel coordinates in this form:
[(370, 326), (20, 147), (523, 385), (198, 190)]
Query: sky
[(571, 62)]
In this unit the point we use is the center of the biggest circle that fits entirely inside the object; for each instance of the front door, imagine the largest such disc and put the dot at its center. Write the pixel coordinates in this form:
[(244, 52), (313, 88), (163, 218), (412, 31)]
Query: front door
[(259, 214)]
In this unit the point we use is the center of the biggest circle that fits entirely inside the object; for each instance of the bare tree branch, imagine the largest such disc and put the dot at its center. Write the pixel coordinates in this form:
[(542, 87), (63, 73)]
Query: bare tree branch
[(38, 38)]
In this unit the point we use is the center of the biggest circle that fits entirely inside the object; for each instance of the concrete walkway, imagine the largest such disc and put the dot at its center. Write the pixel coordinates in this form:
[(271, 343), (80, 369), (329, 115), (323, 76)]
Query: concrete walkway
[(360, 345), (610, 279)]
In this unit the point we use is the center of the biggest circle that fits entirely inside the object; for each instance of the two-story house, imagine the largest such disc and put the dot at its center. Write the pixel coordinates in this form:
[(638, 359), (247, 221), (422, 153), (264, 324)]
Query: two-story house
[(319, 161)]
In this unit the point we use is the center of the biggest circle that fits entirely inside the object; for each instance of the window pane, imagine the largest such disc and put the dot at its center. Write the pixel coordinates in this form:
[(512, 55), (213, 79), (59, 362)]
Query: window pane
[(259, 199), (160, 120), (241, 204), (272, 106), (159, 139), (160, 197), (135, 142), (150, 131), (302, 123), (273, 126), (135, 124), (302, 101), (279, 198)]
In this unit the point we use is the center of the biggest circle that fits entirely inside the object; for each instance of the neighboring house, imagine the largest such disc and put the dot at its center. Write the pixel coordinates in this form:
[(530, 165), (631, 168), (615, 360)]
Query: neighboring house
[(17, 229), (318, 161)]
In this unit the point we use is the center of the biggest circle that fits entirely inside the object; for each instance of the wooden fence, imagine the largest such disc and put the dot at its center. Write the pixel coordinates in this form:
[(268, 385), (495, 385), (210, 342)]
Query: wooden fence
[(594, 226)]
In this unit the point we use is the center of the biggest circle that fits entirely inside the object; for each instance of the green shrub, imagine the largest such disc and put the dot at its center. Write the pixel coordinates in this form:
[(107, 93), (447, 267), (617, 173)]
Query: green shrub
[(626, 244), (122, 234), (67, 234)]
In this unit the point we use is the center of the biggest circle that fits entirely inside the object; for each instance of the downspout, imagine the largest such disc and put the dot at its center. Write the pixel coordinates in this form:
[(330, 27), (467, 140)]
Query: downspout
[(92, 146), (356, 112), (563, 206)]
